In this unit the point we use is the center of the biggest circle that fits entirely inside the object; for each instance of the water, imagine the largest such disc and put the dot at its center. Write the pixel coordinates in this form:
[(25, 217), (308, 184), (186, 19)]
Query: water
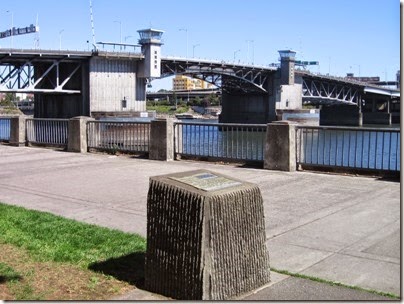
[(227, 142), (354, 148), (4, 129), (376, 148)]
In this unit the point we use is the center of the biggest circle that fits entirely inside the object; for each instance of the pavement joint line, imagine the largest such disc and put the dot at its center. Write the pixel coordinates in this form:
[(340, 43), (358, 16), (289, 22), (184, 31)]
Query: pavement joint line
[(334, 283), (322, 216), (311, 221), (71, 199)]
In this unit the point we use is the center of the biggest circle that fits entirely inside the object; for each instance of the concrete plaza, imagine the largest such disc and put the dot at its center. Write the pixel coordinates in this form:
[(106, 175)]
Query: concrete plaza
[(335, 227)]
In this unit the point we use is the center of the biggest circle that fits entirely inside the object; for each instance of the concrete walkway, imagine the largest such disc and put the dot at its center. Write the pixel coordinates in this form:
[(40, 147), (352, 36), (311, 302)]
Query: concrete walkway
[(335, 227)]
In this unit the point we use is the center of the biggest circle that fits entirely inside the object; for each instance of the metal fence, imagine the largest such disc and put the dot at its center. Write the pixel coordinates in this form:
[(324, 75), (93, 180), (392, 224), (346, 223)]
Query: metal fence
[(344, 147), (241, 142), (47, 131), (118, 136), (5, 128)]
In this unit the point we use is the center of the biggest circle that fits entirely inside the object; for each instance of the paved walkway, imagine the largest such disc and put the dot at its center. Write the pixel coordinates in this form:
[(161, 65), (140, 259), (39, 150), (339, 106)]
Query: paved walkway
[(335, 227)]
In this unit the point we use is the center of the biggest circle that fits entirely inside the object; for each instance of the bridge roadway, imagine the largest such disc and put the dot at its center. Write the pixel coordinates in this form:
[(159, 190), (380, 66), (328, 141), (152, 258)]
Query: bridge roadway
[(209, 70), (335, 227), (71, 83)]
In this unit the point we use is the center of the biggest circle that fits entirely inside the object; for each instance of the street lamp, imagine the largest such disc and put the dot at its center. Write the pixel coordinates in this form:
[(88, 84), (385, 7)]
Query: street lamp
[(12, 25), (193, 49), (60, 39), (120, 31), (126, 37), (248, 49), (234, 55), (185, 30)]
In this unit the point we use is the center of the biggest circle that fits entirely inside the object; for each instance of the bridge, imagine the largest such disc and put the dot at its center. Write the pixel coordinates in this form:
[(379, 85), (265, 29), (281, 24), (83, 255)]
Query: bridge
[(68, 83)]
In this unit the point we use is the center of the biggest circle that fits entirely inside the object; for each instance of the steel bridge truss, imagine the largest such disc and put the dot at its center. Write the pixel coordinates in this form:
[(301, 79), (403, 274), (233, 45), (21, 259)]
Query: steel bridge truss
[(28, 76), (229, 77), (320, 91)]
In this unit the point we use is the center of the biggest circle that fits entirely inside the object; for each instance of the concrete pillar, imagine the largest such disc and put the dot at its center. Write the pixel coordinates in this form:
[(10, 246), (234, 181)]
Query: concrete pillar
[(205, 237), (77, 135), (17, 131), (162, 139), (280, 146)]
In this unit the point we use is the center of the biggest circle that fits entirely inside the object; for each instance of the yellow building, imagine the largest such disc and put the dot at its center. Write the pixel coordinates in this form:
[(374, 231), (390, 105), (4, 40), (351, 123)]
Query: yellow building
[(184, 83)]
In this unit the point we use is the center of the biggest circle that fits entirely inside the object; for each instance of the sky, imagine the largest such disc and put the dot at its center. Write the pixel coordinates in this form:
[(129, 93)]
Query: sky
[(344, 36)]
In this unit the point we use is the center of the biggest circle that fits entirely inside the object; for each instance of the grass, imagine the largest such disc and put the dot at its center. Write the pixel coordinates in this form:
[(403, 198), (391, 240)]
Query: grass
[(162, 109), (332, 283), (47, 257), (8, 274), (52, 238)]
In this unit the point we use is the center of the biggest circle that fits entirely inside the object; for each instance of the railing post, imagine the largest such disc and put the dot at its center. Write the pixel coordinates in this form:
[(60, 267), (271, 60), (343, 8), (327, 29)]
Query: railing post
[(17, 131), (280, 146), (162, 139), (77, 134)]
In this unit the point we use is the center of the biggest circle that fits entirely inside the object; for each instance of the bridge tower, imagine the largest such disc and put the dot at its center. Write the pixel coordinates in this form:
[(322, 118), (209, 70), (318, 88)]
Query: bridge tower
[(150, 40), (289, 89), (287, 67)]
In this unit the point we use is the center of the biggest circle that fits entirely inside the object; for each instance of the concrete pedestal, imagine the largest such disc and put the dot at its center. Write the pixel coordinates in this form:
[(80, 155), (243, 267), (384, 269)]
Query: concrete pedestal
[(77, 136), (162, 139), (17, 131), (280, 147), (205, 237)]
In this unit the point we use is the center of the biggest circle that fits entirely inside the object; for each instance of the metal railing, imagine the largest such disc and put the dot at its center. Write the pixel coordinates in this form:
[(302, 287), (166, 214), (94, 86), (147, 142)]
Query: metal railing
[(5, 128), (241, 142), (345, 147), (47, 131), (118, 136)]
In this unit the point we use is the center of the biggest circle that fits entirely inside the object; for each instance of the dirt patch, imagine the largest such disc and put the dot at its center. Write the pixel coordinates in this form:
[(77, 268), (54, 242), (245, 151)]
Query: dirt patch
[(55, 281)]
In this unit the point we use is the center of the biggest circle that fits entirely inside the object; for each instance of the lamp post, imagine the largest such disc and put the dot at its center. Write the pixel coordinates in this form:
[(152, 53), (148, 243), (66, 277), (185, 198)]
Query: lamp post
[(193, 49), (126, 37), (60, 39), (234, 55), (185, 30), (248, 49), (120, 32), (11, 31)]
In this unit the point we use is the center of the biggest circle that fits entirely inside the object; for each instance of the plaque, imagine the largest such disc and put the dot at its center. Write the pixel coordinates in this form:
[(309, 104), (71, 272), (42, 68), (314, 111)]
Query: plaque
[(207, 181)]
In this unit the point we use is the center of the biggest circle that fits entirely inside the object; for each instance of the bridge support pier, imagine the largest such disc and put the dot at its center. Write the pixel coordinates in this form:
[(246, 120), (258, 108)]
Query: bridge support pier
[(340, 115)]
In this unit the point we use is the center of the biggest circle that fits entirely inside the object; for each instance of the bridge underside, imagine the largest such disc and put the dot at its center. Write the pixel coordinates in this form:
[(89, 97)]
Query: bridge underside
[(230, 78), (59, 82), (322, 92)]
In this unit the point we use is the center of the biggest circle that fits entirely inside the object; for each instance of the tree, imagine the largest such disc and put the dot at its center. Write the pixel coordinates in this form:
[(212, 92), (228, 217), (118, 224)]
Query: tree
[(7, 101)]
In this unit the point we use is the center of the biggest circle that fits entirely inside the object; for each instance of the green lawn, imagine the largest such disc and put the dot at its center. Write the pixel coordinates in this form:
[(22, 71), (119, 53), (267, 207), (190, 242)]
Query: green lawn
[(53, 238), (48, 257)]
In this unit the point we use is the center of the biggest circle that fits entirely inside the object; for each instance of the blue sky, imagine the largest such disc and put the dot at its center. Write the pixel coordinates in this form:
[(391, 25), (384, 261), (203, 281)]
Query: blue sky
[(358, 36)]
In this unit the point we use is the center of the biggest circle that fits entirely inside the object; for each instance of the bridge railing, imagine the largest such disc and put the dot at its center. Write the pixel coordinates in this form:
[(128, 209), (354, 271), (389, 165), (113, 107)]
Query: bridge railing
[(118, 136), (5, 129), (343, 147), (45, 131), (237, 142)]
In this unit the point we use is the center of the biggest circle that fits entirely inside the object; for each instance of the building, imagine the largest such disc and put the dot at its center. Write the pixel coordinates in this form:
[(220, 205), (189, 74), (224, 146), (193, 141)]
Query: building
[(184, 83)]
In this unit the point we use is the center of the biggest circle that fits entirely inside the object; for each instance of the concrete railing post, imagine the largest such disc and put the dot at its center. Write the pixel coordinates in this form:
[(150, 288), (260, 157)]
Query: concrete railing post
[(77, 134), (17, 131), (280, 146), (162, 139)]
